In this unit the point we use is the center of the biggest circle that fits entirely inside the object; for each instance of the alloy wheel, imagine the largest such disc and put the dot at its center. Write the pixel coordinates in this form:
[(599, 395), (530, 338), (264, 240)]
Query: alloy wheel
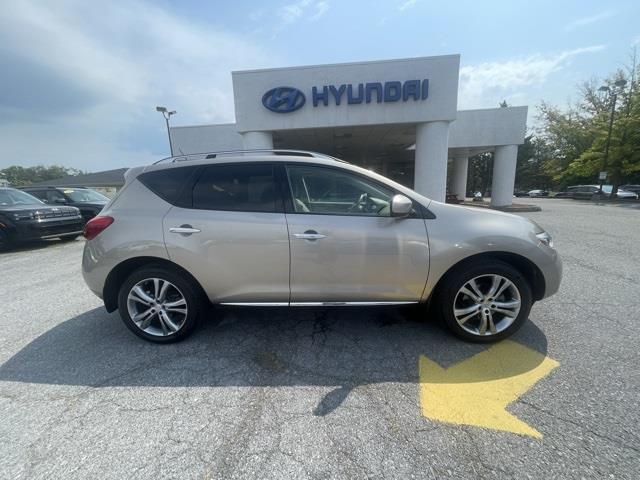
[(157, 307), (486, 305)]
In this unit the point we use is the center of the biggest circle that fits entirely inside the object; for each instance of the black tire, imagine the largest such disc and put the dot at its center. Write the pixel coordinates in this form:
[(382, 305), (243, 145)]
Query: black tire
[(192, 294), (456, 279), (69, 238), (5, 241)]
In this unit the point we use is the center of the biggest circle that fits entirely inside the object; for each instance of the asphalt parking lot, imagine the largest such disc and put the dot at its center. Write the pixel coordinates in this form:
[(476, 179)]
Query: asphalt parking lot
[(332, 393)]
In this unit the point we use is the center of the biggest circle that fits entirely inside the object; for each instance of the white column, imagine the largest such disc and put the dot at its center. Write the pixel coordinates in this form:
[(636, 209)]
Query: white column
[(504, 175), (459, 176), (432, 146), (257, 140)]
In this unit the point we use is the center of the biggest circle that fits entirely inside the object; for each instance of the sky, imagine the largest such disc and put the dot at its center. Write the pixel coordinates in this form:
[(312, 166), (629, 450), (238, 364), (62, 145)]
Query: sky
[(80, 80)]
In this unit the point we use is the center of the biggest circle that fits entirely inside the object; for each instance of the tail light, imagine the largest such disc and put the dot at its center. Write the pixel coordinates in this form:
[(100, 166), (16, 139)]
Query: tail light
[(96, 225)]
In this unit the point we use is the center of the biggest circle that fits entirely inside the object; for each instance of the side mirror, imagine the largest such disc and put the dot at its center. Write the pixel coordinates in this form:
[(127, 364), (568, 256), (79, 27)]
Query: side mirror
[(400, 206), (60, 200)]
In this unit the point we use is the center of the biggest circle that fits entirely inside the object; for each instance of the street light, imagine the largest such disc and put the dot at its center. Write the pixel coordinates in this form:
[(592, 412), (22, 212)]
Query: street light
[(614, 98), (167, 114)]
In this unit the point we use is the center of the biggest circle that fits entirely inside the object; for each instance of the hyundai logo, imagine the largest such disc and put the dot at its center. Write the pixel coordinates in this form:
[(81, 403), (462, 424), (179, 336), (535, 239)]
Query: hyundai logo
[(283, 99)]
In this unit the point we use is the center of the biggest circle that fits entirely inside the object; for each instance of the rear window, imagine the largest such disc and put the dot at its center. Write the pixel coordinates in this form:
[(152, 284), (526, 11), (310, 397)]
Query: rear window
[(169, 183), (242, 187)]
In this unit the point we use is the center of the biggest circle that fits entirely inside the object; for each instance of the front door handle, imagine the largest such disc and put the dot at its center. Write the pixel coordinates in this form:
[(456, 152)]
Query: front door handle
[(310, 235), (184, 230)]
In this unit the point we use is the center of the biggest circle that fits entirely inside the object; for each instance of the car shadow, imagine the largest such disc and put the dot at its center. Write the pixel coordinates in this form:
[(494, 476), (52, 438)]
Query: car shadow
[(340, 347)]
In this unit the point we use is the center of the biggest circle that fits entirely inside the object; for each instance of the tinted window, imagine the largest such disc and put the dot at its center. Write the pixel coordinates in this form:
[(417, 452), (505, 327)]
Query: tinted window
[(240, 187), (41, 194), (168, 183), (330, 191)]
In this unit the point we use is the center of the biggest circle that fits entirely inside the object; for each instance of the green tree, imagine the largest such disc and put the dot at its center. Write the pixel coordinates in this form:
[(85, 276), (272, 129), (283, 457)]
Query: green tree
[(531, 173), (19, 176)]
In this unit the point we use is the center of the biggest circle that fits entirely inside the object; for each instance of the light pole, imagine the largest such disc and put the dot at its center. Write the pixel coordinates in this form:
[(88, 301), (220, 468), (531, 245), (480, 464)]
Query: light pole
[(613, 95), (167, 114)]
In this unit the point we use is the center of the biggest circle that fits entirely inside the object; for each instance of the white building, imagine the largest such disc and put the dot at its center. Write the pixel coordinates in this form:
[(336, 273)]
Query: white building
[(397, 117)]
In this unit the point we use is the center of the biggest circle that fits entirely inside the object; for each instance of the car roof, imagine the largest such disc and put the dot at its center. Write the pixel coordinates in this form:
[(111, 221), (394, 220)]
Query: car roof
[(252, 158)]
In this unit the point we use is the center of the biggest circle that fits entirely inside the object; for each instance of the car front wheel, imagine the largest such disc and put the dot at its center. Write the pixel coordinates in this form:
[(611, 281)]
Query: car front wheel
[(159, 305), (485, 302)]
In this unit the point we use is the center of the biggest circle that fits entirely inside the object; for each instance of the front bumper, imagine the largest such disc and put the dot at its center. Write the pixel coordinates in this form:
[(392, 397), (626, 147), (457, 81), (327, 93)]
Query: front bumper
[(43, 229), (552, 272)]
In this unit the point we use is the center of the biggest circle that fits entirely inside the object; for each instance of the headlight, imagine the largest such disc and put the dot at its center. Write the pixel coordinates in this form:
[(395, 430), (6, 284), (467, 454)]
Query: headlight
[(545, 238), (23, 216)]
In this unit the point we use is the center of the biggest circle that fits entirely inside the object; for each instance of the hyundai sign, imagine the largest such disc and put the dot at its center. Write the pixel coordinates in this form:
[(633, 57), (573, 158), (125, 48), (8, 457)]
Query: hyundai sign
[(289, 99), (283, 99)]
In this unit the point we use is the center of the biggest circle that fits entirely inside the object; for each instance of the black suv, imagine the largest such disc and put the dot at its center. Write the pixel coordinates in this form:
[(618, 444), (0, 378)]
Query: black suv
[(24, 218), (88, 201)]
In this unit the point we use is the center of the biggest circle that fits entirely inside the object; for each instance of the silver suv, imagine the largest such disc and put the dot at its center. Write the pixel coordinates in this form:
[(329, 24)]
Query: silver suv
[(284, 228)]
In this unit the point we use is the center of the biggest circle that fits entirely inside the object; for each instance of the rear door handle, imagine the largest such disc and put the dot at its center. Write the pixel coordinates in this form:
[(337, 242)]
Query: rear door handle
[(309, 235), (184, 230)]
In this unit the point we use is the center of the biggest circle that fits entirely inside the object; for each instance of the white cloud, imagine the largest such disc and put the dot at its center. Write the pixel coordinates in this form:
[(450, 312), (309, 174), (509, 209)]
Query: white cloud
[(485, 84), (121, 60), (407, 4), (585, 21), (311, 10)]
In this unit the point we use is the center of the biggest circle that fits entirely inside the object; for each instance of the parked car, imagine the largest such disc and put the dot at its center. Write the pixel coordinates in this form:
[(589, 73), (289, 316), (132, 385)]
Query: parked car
[(538, 193), (24, 218), (592, 192), (88, 201), (520, 193), (631, 188), (259, 229)]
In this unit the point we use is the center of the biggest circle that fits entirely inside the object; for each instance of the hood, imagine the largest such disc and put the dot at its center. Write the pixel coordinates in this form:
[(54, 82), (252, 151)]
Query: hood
[(480, 216), (44, 209)]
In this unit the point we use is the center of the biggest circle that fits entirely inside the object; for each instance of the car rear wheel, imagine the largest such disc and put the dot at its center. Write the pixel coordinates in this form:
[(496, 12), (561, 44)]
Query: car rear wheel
[(485, 302), (159, 304)]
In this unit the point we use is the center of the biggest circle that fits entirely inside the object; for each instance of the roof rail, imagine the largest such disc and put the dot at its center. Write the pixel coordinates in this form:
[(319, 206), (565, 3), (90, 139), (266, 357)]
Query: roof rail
[(210, 155)]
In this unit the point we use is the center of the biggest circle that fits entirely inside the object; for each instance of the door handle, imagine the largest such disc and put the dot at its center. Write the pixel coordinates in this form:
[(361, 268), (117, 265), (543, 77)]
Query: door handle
[(310, 235), (184, 230)]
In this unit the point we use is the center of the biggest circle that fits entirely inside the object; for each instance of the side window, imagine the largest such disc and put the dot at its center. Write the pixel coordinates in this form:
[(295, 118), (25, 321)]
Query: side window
[(240, 187), (54, 196), (168, 183), (329, 191), (39, 194)]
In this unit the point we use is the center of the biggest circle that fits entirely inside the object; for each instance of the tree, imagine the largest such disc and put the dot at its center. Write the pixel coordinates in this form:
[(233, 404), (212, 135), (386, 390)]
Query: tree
[(18, 176), (575, 139), (531, 173)]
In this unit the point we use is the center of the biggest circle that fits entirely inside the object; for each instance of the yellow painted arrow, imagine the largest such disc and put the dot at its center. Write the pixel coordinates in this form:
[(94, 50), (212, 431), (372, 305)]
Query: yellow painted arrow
[(477, 390)]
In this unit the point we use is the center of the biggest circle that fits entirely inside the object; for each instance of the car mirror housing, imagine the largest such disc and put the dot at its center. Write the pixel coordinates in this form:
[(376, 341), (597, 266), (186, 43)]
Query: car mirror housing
[(400, 206)]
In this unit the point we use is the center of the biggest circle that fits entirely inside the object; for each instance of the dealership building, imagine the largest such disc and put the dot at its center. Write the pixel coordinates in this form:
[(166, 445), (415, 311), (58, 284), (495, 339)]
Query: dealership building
[(399, 118)]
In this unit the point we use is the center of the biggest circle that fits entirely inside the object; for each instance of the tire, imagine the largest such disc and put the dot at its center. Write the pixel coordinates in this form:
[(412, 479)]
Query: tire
[(5, 241), (181, 288), (512, 287), (69, 238)]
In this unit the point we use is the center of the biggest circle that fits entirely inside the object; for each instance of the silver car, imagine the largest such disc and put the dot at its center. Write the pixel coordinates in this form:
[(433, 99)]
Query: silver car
[(275, 228)]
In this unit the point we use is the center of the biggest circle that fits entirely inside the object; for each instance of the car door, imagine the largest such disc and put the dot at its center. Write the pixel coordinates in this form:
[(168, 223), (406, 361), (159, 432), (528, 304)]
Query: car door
[(232, 234), (345, 245)]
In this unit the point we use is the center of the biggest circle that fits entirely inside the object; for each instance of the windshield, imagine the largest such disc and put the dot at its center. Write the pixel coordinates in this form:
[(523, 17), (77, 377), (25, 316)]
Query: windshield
[(84, 195), (11, 197)]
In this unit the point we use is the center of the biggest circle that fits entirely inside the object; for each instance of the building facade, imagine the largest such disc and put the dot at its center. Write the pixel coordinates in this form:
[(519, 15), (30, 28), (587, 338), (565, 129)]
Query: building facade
[(397, 117)]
